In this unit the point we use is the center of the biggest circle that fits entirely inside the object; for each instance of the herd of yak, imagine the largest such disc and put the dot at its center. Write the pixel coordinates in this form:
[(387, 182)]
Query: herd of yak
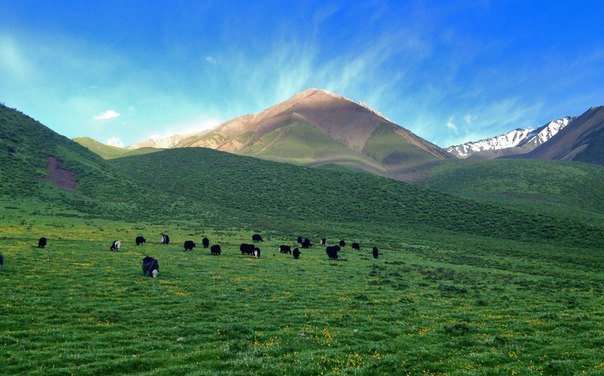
[(151, 265)]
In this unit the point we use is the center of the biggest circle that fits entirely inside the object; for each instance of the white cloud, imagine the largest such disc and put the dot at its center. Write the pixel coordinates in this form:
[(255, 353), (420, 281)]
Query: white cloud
[(115, 141), (211, 60), (451, 125), (107, 115)]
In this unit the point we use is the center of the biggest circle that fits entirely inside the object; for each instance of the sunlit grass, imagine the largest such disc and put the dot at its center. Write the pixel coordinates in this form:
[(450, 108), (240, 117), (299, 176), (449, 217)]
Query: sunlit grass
[(77, 308)]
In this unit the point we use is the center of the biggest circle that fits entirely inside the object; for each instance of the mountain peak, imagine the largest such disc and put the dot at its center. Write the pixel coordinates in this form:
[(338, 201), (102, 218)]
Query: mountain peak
[(518, 141)]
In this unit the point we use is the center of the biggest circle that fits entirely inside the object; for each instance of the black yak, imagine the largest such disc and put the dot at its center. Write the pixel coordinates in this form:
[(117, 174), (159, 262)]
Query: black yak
[(376, 252), (1, 261), (116, 245), (323, 241), (189, 245), (215, 250), (332, 252), (140, 240), (356, 246), (42, 242), (257, 238), (246, 249), (165, 239), (285, 249), (342, 243), (296, 253), (150, 267), (205, 242), (306, 243)]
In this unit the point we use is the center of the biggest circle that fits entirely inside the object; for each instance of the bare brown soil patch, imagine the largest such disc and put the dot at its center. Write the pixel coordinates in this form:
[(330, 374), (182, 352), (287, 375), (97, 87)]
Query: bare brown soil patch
[(62, 178)]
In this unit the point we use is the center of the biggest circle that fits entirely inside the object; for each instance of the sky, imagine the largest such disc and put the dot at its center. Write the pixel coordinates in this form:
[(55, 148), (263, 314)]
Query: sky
[(450, 71)]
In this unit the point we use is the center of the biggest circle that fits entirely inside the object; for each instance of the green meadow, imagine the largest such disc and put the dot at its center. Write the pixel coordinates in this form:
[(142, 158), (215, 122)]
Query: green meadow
[(451, 305), (482, 270)]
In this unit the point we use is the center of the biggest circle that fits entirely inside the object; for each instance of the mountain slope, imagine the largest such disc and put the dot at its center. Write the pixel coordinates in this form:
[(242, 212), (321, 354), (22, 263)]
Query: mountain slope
[(38, 163), (559, 188), (518, 141), (285, 197), (108, 151), (583, 141), (315, 128)]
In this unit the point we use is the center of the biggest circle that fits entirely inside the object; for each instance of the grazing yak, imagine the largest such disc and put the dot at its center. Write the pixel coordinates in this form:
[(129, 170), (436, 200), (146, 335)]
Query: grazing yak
[(285, 249), (296, 253), (257, 252), (42, 242), (165, 239), (323, 241), (1, 261), (115, 246), (257, 238), (306, 243), (140, 240), (189, 245), (342, 243), (246, 249), (375, 252), (150, 267), (215, 250), (205, 242), (356, 246), (332, 252)]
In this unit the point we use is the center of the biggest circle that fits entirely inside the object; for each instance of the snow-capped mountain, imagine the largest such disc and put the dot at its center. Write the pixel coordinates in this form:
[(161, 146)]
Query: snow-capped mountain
[(518, 141)]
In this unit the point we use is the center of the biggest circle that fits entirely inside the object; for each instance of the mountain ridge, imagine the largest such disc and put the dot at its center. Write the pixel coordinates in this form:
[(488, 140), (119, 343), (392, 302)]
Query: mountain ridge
[(518, 141), (583, 142)]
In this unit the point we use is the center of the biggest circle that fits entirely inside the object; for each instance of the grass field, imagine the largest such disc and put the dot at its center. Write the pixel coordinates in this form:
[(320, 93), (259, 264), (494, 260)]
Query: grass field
[(476, 306)]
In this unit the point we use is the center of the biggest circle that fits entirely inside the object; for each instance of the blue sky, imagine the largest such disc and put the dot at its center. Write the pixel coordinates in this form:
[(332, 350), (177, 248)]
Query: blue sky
[(123, 71)]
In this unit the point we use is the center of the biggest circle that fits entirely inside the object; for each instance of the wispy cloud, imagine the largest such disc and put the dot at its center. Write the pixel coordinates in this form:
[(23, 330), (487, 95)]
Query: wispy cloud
[(107, 115), (451, 125), (14, 63)]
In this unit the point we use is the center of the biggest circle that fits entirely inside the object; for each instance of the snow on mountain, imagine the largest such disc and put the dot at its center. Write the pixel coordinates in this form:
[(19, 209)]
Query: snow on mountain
[(524, 140)]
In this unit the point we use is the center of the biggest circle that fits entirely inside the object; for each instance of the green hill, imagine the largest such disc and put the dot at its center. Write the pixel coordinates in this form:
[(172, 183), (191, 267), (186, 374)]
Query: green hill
[(282, 196), (108, 151), (559, 188), (37, 163)]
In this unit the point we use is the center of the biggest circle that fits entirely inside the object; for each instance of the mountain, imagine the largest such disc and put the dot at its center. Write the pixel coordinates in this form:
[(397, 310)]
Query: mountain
[(583, 141), (109, 151), (518, 141), (316, 127)]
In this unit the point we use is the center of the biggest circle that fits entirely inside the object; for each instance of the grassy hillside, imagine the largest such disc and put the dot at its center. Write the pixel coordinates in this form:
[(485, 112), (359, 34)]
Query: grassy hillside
[(108, 151), (302, 143), (559, 188), (279, 195), (39, 164)]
